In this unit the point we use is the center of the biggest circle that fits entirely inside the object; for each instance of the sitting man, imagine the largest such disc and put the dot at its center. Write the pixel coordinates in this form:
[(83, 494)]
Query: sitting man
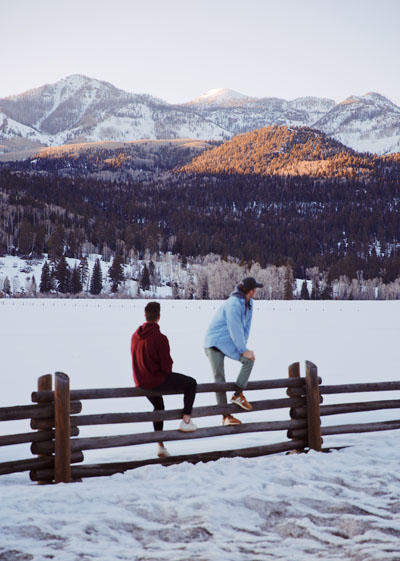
[(152, 370), (227, 336)]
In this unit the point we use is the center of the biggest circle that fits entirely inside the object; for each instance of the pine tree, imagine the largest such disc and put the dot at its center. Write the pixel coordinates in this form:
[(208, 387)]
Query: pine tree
[(175, 291), (315, 291), (327, 292), (76, 285), (288, 283), (205, 295), (56, 243), (45, 279), (84, 272), (152, 270), (34, 285), (304, 294), (96, 282), (145, 278), (116, 273), (63, 276), (26, 237)]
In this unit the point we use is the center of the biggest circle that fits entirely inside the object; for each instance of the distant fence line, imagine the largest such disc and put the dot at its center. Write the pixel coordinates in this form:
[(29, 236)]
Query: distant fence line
[(131, 303), (58, 449)]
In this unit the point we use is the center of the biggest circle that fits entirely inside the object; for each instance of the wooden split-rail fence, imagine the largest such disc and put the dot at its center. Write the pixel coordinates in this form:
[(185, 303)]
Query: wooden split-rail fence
[(56, 417)]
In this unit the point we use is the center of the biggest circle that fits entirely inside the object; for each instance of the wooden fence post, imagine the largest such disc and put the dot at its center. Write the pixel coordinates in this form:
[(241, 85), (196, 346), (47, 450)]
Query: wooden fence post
[(45, 383), (295, 413), (313, 411), (62, 460)]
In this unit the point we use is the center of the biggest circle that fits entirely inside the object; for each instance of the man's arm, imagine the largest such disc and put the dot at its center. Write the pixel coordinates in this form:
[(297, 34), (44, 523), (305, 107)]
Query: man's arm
[(234, 323), (166, 361)]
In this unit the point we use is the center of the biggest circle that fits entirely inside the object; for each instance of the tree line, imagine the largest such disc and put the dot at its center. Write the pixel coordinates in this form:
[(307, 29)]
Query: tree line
[(341, 227), (208, 277)]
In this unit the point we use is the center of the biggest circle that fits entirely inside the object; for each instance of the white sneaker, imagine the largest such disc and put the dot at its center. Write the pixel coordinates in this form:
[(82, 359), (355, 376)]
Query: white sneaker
[(187, 427), (162, 452)]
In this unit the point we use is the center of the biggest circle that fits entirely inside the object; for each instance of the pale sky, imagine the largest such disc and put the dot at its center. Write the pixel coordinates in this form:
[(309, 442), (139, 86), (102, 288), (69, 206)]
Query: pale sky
[(178, 49)]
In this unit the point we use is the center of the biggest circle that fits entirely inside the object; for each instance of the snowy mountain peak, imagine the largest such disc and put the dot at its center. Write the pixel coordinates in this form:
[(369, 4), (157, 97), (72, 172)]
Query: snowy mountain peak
[(220, 96), (350, 100)]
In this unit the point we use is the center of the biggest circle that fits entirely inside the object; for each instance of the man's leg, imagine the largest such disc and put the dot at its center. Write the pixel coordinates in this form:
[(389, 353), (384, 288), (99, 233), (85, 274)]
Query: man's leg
[(158, 404), (241, 383), (174, 382), (244, 374), (216, 359)]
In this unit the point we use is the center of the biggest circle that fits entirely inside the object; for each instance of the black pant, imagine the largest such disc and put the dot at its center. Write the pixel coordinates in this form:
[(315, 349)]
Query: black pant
[(174, 382)]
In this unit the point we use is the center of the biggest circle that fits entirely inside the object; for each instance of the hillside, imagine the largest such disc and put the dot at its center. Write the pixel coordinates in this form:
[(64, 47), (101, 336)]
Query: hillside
[(269, 196), (140, 160), (284, 151)]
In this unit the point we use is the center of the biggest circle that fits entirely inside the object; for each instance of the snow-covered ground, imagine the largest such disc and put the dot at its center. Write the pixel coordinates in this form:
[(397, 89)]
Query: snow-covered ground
[(342, 505)]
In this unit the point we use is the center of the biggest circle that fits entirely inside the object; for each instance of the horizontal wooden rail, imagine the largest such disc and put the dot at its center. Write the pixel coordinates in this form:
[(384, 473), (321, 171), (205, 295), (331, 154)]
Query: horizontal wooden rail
[(170, 415), (42, 436), (361, 427), (105, 393), (359, 407), (358, 388), (96, 470), (297, 433), (34, 463), (40, 411), (342, 408), (99, 442)]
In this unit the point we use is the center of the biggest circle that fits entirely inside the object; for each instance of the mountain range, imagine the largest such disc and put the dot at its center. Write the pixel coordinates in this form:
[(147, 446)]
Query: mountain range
[(81, 109)]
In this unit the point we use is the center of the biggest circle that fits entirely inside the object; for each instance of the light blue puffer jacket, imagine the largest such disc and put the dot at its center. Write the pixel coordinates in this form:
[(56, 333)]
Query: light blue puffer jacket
[(230, 327)]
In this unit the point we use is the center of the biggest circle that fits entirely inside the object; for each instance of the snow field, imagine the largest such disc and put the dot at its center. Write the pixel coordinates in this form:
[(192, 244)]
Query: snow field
[(339, 506)]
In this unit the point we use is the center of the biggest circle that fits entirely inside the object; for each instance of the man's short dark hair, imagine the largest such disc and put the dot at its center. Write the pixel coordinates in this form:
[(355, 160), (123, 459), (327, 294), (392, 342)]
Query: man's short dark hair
[(152, 311)]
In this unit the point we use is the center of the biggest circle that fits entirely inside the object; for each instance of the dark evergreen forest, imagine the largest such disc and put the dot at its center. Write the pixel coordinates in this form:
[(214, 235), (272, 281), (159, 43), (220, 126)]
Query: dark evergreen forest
[(340, 225)]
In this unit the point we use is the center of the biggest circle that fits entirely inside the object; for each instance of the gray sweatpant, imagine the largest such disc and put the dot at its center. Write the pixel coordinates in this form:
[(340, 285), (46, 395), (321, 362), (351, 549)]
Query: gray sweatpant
[(216, 359)]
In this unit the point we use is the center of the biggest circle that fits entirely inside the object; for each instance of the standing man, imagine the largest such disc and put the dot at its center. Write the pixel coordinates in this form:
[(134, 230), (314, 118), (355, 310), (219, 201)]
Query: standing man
[(227, 335), (152, 370)]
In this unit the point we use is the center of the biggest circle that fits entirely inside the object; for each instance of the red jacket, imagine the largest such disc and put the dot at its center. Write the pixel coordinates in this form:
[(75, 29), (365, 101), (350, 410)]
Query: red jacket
[(151, 361)]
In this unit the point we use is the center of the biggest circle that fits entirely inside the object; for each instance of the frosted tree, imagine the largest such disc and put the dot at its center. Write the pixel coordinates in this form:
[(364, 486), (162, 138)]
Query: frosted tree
[(314, 275), (190, 287), (106, 253), (341, 288), (7, 286), (202, 292), (30, 287), (15, 285), (325, 287)]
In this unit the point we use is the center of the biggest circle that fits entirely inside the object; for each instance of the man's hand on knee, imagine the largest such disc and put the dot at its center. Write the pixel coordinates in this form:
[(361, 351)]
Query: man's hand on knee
[(249, 354)]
